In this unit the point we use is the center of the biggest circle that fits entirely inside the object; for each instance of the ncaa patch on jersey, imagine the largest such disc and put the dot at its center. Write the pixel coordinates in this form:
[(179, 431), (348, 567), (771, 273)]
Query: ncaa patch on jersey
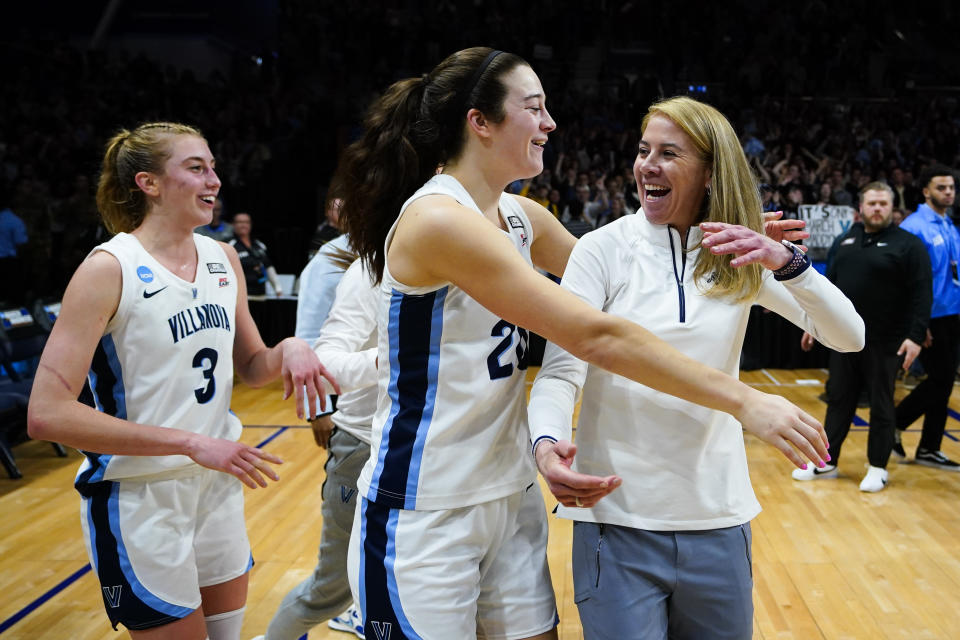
[(216, 267), (144, 273), (224, 282)]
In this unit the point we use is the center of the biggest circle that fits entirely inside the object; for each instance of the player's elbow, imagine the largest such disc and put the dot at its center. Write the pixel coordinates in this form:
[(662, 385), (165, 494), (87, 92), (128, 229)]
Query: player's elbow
[(854, 338), (600, 343), (41, 420)]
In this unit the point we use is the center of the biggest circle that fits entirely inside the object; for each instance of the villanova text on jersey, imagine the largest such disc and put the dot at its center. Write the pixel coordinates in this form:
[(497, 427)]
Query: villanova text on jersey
[(193, 319)]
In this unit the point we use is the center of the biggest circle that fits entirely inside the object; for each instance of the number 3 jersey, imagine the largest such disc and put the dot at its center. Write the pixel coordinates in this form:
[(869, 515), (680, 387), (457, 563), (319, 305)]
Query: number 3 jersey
[(166, 356), (451, 425)]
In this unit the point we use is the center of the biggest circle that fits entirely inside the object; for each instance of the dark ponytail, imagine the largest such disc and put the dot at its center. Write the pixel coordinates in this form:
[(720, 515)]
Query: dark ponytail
[(411, 131)]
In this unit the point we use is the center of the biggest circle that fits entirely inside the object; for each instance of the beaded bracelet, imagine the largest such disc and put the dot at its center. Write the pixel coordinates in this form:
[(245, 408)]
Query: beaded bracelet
[(797, 265)]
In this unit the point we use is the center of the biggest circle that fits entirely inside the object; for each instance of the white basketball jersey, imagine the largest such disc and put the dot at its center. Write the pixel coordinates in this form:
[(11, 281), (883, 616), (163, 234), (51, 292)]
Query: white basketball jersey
[(166, 356), (451, 422)]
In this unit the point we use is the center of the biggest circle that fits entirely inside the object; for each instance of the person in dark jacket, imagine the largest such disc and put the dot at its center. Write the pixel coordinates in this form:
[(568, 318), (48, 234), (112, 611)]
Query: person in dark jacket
[(885, 272)]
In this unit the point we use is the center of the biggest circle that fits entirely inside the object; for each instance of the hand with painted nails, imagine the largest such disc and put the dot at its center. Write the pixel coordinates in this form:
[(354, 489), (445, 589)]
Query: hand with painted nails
[(776, 421), (746, 244), (777, 229)]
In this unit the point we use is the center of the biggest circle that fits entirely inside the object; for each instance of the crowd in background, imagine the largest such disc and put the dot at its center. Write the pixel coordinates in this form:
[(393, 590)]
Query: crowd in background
[(825, 99)]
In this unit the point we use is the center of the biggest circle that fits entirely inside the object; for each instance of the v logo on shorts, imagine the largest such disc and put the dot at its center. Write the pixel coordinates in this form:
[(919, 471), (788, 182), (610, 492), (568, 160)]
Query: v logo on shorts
[(346, 493), (382, 629), (112, 594)]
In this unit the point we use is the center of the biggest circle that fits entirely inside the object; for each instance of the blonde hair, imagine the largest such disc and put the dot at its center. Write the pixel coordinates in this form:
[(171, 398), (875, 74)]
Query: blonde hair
[(121, 203), (733, 197)]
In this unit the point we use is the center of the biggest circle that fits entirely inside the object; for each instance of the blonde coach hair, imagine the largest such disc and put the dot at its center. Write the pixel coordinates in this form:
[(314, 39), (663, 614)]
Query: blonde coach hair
[(733, 196)]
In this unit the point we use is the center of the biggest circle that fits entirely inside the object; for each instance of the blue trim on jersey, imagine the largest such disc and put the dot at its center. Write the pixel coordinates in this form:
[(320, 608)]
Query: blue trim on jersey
[(414, 332), (394, 349), (113, 361), (109, 396), (106, 380), (433, 367), (91, 470), (92, 381), (149, 599)]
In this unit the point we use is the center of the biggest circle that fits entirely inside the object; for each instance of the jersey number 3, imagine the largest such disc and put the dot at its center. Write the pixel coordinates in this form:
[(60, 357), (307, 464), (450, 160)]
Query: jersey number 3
[(494, 365), (206, 359)]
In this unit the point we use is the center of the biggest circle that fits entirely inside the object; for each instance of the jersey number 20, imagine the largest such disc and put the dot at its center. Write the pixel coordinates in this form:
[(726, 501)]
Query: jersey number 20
[(494, 365)]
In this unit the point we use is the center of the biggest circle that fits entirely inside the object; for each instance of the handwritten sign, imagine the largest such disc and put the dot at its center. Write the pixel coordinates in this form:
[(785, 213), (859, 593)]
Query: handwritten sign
[(825, 223)]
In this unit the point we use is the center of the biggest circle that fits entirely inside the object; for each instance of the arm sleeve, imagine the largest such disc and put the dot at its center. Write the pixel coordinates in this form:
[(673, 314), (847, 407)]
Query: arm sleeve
[(561, 377), (274, 282), (920, 286), (814, 304), (349, 326), (318, 286)]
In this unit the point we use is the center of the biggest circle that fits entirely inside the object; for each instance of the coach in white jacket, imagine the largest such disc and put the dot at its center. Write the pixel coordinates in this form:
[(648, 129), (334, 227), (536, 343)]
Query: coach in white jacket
[(668, 554)]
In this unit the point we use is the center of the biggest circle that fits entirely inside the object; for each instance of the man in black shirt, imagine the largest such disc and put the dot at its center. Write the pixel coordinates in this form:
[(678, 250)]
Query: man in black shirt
[(885, 271)]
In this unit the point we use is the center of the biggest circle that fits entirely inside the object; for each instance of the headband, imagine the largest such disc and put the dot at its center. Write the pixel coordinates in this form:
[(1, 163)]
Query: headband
[(475, 78)]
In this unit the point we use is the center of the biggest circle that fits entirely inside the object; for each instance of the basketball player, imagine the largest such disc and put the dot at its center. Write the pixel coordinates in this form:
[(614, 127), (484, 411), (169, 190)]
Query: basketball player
[(347, 342), (450, 537), (159, 318)]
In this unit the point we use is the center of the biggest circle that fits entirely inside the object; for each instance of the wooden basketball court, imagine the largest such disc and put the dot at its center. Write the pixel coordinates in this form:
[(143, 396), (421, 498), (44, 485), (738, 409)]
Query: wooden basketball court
[(828, 560)]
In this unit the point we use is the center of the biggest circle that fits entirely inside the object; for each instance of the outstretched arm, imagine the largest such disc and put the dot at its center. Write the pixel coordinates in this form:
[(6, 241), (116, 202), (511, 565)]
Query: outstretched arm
[(292, 358), (436, 243)]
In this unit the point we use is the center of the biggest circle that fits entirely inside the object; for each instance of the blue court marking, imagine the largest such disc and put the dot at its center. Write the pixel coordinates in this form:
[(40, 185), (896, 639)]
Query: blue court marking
[(19, 615), (860, 422), (30, 608), (265, 442)]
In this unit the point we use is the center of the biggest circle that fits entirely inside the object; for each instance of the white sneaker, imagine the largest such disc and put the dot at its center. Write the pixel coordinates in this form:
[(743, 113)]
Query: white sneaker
[(260, 638), (348, 621), (813, 472), (875, 480)]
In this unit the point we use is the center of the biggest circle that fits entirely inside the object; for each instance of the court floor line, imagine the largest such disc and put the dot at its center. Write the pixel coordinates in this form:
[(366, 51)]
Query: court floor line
[(79, 573)]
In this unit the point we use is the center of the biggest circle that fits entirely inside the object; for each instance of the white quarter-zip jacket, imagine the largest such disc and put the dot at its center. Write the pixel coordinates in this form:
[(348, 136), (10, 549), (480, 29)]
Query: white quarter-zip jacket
[(683, 466)]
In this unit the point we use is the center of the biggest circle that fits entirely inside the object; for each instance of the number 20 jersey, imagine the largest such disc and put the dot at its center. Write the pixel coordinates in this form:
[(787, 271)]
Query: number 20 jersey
[(166, 356), (451, 425)]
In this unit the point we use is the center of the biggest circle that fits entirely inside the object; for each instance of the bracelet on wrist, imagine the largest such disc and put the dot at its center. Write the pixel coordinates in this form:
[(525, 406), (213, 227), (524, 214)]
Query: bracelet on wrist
[(799, 263)]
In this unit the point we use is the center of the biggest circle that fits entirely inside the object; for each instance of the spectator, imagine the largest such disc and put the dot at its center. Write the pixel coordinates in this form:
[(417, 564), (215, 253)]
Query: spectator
[(13, 234), (257, 268), (218, 228), (885, 272), (330, 227), (939, 356)]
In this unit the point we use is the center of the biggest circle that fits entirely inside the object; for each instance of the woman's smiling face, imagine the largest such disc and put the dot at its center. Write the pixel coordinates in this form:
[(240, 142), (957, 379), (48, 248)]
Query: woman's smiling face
[(671, 177)]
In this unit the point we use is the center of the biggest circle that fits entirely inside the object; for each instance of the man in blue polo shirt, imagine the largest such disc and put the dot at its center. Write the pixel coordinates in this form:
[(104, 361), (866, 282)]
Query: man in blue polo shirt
[(13, 235), (939, 357)]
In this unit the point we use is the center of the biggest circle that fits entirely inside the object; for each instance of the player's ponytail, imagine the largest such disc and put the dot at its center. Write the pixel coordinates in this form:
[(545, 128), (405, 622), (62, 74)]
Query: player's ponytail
[(410, 132)]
